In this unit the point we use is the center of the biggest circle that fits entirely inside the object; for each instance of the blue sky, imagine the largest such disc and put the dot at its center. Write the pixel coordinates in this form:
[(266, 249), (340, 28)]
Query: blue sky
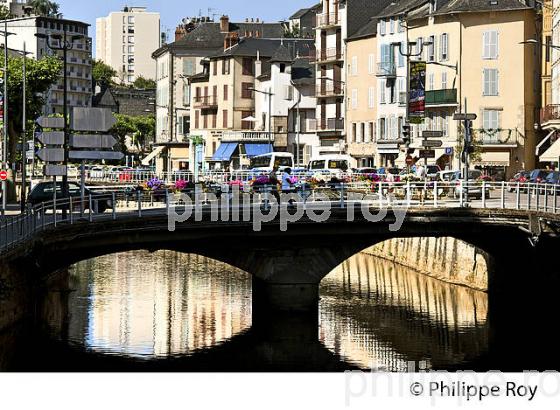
[(172, 11)]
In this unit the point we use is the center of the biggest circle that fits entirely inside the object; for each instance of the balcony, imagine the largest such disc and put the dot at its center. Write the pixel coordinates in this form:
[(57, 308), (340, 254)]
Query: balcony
[(387, 69), (329, 90), (498, 138), (329, 54), (441, 97), (550, 117), (326, 125), (245, 136), (326, 20), (207, 102)]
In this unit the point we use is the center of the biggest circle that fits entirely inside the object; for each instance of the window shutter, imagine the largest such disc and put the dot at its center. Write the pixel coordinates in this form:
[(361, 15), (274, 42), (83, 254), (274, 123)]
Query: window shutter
[(485, 44)]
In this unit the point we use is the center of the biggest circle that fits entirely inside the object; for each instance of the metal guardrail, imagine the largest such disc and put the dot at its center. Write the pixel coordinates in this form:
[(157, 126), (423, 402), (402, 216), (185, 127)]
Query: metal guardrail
[(15, 230)]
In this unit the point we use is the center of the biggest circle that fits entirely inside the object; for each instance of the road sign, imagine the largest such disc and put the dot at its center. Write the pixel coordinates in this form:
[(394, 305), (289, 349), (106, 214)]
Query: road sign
[(51, 122), (427, 153), (3, 175), (92, 141), (465, 117), (449, 151), (432, 134), (432, 143), (92, 119), (51, 154), (51, 138), (55, 170), (96, 155)]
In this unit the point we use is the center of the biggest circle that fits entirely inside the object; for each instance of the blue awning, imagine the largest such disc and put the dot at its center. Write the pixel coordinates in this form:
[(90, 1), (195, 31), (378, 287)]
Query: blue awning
[(252, 150), (224, 152)]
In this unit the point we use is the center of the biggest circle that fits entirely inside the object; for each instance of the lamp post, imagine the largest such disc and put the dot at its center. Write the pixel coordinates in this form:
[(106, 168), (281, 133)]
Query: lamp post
[(64, 44), (270, 95)]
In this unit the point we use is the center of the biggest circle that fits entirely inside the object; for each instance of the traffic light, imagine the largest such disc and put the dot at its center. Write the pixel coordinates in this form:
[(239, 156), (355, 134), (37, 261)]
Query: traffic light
[(406, 134)]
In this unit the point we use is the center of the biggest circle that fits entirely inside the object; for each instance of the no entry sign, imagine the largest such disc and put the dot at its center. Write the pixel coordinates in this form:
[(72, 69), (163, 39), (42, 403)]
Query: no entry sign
[(3, 175)]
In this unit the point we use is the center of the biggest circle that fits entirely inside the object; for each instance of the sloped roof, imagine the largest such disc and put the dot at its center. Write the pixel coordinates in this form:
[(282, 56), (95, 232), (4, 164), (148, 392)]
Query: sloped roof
[(266, 47), (282, 55)]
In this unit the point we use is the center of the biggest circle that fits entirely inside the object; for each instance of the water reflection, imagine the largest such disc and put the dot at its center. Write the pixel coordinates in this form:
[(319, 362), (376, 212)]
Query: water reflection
[(378, 314), (157, 305)]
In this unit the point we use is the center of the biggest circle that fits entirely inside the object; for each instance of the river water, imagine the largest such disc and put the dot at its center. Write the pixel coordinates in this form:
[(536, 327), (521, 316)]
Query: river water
[(167, 311)]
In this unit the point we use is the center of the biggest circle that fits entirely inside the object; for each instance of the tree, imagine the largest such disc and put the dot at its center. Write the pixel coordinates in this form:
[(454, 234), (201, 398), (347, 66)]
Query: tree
[(292, 32), (5, 13), (41, 75), (45, 8), (103, 74), (141, 129), (144, 84)]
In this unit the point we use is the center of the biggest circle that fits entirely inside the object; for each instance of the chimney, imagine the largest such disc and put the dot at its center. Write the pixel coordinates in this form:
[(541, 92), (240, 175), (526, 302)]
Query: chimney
[(230, 40), (258, 65), (180, 32), (224, 24)]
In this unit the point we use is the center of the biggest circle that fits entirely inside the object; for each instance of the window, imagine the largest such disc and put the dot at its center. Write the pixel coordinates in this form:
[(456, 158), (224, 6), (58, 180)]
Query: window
[(248, 66), (288, 93), (372, 131), (197, 119), (131, 49), (381, 129), (225, 67), (490, 82), (444, 80), (419, 48), (214, 121), (432, 48), (186, 95), (226, 92), (382, 92), (130, 19), (444, 47), (354, 66), (400, 51), (367, 132), (362, 131), (371, 97), (490, 45), (371, 64), (246, 125), (391, 26), (382, 27), (354, 132), (131, 39), (215, 66), (131, 68), (188, 67), (246, 90), (354, 99), (225, 118), (490, 119), (445, 124), (431, 81)]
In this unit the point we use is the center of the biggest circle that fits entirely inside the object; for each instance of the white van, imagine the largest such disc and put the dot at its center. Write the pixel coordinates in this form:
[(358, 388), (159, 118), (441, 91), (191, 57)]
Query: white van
[(331, 164), (266, 162)]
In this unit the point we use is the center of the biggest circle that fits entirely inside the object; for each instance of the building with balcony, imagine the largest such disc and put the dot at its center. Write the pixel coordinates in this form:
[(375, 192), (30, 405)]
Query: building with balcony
[(176, 63), (475, 62), (231, 98), (125, 40), (79, 58)]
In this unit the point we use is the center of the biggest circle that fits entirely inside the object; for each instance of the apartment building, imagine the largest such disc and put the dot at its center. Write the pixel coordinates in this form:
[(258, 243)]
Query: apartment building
[(476, 62), (175, 63), (336, 21), (126, 39), (223, 99), (79, 58)]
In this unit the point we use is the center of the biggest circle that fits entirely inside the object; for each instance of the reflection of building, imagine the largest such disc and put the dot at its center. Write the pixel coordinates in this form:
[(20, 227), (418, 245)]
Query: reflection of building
[(390, 314), (175, 308), (126, 39)]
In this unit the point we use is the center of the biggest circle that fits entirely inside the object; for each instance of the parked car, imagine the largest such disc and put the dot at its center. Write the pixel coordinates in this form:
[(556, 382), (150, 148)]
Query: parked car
[(537, 176), (521, 177), (474, 189), (432, 171), (43, 192)]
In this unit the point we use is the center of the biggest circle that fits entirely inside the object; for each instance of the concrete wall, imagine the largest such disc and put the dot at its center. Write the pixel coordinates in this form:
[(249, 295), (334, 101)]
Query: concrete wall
[(447, 259)]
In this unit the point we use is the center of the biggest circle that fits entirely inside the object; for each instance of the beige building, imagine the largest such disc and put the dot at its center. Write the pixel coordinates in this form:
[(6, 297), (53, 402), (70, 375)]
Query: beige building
[(476, 62), (361, 110), (125, 40)]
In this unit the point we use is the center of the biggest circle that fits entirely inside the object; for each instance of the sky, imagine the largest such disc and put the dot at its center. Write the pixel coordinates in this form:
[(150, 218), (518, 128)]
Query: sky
[(172, 11)]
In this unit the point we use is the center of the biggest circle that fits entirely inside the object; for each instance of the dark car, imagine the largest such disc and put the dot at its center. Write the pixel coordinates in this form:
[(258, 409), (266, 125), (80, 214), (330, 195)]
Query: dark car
[(521, 177), (43, 192), (538, 176)]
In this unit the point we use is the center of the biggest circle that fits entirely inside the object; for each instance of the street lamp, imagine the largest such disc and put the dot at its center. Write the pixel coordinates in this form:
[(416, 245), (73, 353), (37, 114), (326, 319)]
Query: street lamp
[(534, 41), (270, 95), (65, 43)]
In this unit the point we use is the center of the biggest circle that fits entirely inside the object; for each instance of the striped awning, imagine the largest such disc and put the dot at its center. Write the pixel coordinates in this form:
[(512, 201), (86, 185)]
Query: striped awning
[(552, 154)]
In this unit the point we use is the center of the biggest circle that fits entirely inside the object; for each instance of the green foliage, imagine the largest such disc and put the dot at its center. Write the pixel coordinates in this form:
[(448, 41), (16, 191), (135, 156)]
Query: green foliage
[(144, 84), (476, 143), (4, 13), (142, 129), (293, 32), (197, 140), (103, 74), (45, 7)]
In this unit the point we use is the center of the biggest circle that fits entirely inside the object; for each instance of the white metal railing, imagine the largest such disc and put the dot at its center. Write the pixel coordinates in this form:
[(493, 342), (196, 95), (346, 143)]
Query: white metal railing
[(127, 201)]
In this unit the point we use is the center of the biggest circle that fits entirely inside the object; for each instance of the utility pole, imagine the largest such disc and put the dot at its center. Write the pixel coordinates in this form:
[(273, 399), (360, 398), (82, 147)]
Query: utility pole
[(24, 132), (5, 137)]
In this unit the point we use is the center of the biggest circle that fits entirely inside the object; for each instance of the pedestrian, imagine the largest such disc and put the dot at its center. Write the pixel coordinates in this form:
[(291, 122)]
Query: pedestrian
[(287, 185)]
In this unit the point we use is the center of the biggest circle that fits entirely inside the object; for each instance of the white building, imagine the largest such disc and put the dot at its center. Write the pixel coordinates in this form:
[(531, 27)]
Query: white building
[(291, 83), (78, 58), (125, 40)]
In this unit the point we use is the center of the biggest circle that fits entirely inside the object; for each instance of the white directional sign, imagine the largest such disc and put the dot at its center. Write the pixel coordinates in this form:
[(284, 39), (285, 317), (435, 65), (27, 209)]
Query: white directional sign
[(92, 119), (432, 134), (92, 141), (51, 154), (96, 155), (51, 122), (51, 138), (465, 117), (432, 143), (55, 170)]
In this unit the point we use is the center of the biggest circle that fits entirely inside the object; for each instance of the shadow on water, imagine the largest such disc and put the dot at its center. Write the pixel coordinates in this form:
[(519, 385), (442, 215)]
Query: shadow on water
[(174, 312)]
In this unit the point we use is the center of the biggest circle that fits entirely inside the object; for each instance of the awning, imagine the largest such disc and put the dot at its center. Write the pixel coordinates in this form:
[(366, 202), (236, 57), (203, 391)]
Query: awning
[(146, 161), (224, 152), (550, 134), (494, 159), (252, 150), (552, 154)]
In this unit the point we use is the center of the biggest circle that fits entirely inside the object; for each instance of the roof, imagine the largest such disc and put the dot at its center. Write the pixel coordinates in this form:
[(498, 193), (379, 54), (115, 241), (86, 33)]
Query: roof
[(369, 30), (208, 37), (267, 47), (302, 12), (360, 14), (303, 72), (282, 55)]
